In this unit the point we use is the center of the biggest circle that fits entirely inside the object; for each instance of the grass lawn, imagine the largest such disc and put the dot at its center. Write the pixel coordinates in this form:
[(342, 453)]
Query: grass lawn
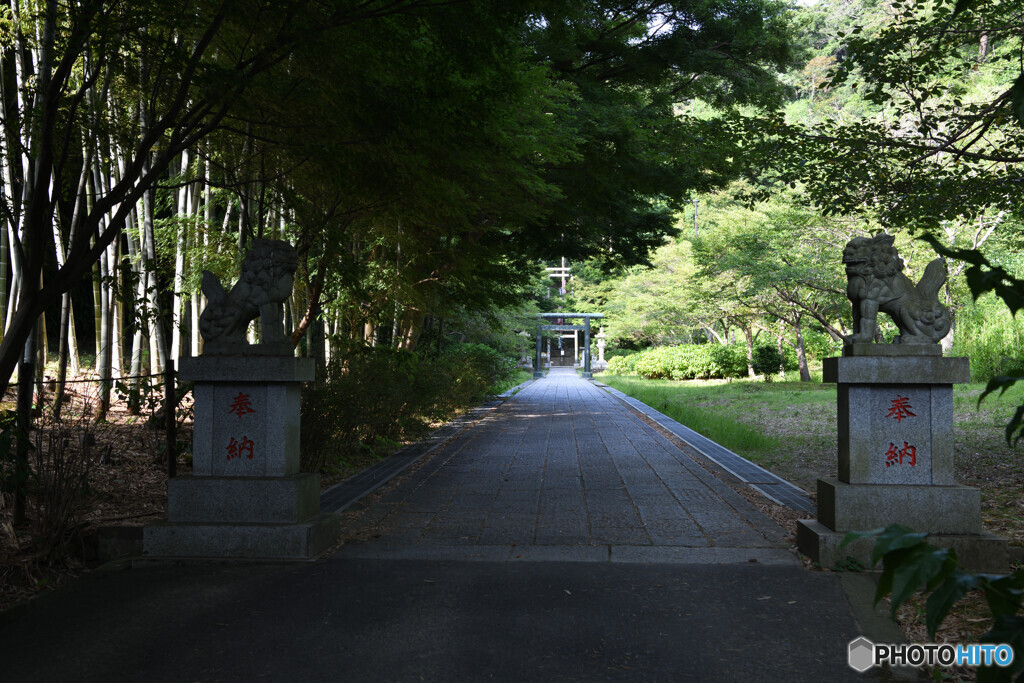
[(790, 429)]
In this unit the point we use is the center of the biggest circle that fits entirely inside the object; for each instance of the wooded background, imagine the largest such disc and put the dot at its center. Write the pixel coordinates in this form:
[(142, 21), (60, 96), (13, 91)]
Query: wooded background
[(701, 165)]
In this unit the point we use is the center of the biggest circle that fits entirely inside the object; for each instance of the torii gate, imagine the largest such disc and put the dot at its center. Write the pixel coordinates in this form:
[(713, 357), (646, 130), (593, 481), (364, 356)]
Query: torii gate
[(539, 368)]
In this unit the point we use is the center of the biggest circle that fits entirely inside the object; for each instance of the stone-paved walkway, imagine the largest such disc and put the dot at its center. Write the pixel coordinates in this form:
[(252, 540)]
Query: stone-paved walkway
[(560, 539), (564, 471)]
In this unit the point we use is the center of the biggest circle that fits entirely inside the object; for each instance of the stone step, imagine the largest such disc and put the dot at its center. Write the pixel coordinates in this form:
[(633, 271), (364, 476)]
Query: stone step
[(264, 500), (936, 509), (306, 540), (981, 552)]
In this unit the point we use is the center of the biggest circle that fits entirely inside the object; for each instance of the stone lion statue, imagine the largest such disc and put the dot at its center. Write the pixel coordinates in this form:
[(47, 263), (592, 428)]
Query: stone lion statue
[(264, 284), (875, 282)]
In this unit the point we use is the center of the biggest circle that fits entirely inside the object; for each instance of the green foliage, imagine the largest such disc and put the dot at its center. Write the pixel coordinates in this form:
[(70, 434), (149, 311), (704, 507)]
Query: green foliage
[(700, 361), (638, 159), (731, 359), (910, 564), (498, 328), (689, 361), (623, 364), (984, 277), (514, 380), (12, 477), (372, 398), (366, 394), (777, 256), (767, 361), (819, 344), (475, 368), (940, 141), (991, 337)]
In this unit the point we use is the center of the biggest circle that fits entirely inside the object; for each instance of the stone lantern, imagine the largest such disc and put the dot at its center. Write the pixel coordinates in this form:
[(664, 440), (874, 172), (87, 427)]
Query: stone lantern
[(600, 365)]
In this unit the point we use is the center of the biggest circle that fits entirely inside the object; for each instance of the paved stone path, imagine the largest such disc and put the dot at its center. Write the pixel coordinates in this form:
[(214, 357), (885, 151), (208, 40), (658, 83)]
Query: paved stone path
[(564, 471), (559, 539)]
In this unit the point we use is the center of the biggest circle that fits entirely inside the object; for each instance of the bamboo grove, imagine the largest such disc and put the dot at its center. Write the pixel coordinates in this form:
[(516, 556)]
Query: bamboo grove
[(420, 154)]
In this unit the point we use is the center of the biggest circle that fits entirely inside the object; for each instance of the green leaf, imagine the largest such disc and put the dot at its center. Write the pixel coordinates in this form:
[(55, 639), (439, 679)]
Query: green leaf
[(945, 596), (1004, 593), (962, 5), (1015, 424), (896, 537), (1009, 630), (917, 567), (1002, 383), (1017, 99)]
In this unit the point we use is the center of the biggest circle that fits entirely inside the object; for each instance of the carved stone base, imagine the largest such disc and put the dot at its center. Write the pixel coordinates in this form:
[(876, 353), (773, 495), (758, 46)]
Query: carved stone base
[(304, 541), (246, 498), (982, 552), (895, 460), (251, 500), (952, 509), (872, 349)]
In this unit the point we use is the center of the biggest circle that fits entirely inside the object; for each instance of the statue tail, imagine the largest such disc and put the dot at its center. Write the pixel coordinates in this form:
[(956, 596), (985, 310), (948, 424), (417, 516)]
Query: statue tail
[(932, 280)]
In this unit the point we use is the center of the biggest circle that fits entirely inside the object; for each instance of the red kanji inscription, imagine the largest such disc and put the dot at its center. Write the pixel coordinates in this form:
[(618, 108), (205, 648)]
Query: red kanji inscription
[(900, 408), (242, 405), (895, 456), (236, 449)]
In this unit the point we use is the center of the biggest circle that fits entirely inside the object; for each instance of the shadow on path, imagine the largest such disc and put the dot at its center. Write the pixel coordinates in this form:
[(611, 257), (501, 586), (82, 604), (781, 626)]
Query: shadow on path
[(560, 539)]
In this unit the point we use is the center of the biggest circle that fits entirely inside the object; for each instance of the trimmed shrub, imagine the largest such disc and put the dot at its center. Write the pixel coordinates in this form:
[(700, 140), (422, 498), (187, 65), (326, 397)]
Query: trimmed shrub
[(732, 359), (623, 365), (767, 361), (688, 361)]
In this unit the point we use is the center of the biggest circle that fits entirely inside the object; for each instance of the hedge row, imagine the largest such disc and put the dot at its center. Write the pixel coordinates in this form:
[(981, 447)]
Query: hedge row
[(697, 361)]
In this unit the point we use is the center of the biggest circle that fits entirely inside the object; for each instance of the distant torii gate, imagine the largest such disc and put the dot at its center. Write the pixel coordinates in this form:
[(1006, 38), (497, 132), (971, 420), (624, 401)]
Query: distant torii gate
[(539, 367)]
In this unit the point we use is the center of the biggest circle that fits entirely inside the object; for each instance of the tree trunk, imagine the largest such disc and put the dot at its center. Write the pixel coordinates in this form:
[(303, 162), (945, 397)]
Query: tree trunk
[(104, 332), (412, 328), (801, 352), (62, 355), (748, 333), (157, 343), (198, 301), (181, 212), (780, 342), (138, 335)]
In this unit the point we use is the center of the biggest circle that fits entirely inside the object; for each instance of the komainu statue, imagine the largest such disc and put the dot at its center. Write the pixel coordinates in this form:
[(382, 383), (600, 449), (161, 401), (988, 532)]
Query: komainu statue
[(263, 286), (875, 282)]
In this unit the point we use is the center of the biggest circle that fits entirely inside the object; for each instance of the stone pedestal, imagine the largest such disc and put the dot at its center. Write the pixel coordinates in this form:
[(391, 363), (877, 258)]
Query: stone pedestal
[(246, 497), (896, 460)]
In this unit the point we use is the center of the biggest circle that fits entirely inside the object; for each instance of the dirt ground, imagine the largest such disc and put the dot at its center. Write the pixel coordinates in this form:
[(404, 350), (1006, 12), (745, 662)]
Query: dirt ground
[(122, 460)]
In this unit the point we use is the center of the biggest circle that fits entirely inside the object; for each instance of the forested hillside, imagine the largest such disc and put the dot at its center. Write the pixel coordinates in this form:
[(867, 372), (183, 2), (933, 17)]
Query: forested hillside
[(900, 117)]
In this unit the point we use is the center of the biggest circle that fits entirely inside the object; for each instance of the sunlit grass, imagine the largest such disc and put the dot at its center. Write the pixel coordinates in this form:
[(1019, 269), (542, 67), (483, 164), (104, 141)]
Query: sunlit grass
[(722, 410), (707, 407)]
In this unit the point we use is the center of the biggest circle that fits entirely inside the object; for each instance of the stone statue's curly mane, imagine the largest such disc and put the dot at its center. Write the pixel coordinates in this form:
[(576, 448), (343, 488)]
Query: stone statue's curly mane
[(872, 259), (264, 283), (875, 282)]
